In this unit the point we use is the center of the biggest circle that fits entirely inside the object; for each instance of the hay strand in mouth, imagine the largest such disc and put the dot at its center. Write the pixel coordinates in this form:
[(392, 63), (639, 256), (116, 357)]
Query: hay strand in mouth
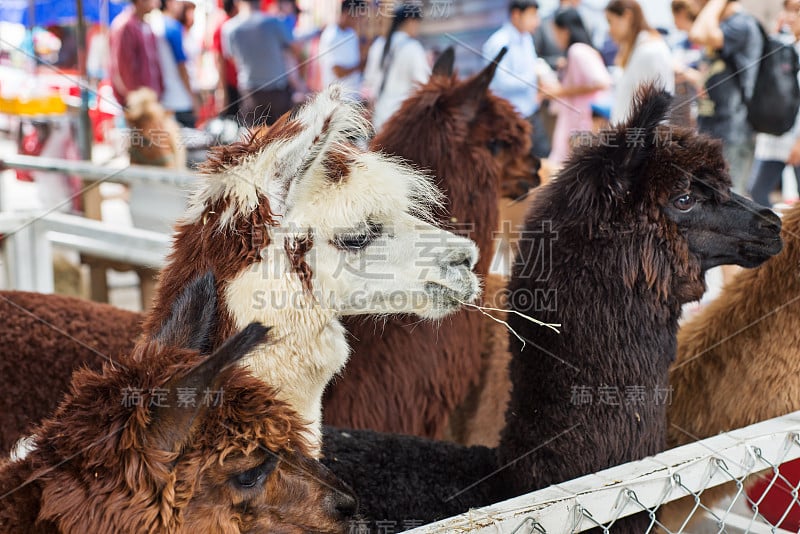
[(485, 311)]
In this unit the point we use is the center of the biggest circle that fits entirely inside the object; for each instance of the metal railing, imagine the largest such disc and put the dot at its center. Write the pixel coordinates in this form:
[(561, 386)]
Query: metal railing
[(600, 499)]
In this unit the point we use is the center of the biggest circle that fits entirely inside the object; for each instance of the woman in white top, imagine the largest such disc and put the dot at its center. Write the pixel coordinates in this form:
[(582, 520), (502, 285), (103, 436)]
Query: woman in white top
[(403, 63), (643, 55)]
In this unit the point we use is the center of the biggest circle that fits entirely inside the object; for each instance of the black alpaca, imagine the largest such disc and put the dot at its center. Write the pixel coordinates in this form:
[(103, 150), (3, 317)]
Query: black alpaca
[(613, 247)]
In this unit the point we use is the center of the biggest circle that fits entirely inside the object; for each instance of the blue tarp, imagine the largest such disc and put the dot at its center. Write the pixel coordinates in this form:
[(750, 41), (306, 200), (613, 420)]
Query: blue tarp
[(57, 11)]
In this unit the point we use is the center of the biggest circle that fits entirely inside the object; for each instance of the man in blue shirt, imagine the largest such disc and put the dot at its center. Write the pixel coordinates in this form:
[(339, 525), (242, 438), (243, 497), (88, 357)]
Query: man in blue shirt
[(516, 79)]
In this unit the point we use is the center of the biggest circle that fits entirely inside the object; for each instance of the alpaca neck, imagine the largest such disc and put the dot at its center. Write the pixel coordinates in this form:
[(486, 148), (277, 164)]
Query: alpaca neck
[(308, 345), (603, 380)]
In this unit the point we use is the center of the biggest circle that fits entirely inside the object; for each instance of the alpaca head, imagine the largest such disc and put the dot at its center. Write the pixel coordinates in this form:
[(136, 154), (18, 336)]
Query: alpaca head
[(474, 142), (343, 229), (672, 186), (171, 440), (486, 123)]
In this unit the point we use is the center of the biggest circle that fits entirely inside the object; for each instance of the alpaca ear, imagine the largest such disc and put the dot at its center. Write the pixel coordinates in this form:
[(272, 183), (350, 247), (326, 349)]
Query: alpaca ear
[(637, 136), (192, 319), (172, 422), (474, 91), (445, 63), (327, 121), (613, 163)]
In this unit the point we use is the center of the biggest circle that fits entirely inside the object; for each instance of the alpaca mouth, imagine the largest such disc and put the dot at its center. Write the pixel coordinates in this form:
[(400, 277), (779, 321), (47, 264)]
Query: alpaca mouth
[(447, 298), (748, 253), (757, 252)]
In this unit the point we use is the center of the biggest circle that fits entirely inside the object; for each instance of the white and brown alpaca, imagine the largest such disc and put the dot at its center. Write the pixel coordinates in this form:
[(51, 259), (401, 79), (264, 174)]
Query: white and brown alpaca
[(301, 227)]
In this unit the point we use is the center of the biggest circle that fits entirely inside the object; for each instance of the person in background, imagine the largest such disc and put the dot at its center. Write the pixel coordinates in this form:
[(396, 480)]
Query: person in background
[(227, 95), (549, 51), (288, 12), (643, 55), (68, 53), (403, 63), (340, 58), (177, 97), (257, 43), (582, 78), (684, 13), (545, 42), (774, 153), (516, 78), (733, 45), (373, 76), (787, 18), (297, 63), (191, 44), (688, 79), (134, 52)]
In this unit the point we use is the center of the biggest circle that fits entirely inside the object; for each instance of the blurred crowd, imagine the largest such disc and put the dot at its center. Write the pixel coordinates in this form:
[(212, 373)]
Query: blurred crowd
[(567, 72)]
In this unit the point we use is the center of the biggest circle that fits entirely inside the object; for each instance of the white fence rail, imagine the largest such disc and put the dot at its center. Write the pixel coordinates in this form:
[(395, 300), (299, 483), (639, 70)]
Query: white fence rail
[(130, 175), (643, 486), (29, 239)]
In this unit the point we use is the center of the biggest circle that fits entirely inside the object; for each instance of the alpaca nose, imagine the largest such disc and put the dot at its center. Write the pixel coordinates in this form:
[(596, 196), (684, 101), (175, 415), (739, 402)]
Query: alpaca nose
[(768, 220), (462, 257), (345, 504)]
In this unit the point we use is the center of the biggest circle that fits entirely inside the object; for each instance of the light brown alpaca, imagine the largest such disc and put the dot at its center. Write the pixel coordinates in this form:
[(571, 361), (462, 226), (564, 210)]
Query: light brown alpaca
[(739, 358), (479, 419), (167, 440), (476, 421), (154, 135)]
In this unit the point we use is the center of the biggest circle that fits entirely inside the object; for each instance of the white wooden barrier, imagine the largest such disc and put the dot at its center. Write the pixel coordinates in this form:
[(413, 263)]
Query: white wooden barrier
[(29, 239), (131, 174), (30, 236)]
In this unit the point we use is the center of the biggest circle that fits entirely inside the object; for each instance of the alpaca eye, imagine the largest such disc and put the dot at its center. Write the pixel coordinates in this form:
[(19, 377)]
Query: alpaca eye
[(685, 202), (256, 476), (495, 146), (354, 242), (249, 479)]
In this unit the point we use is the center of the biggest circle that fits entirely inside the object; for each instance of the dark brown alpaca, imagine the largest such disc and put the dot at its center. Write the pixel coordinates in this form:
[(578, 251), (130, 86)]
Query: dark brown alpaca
[(169, 441), (738, 359), (407, 377), (613, 247), (629, 226)]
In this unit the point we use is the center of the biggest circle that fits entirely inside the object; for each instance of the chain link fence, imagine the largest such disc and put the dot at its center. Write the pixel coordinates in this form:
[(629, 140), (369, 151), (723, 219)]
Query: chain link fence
[(746, 480)]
